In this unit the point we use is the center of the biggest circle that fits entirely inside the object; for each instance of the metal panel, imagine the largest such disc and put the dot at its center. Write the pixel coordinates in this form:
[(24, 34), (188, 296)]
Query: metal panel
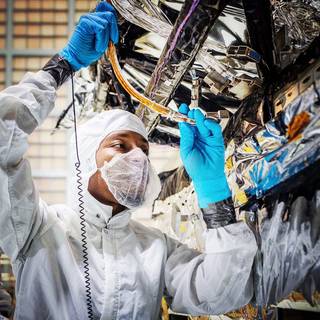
[(186, 38)]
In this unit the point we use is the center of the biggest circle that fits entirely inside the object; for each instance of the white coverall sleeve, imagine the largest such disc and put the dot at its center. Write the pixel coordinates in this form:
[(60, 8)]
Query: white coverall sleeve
[(216, 281), (23, 107)]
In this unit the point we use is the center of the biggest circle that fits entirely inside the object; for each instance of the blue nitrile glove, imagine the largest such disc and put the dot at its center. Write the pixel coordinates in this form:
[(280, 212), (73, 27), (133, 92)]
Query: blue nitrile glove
[(91, 37), (202, 153)]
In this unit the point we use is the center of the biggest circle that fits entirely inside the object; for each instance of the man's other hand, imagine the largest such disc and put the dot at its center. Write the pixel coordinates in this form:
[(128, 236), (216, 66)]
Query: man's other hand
[(202, 153)]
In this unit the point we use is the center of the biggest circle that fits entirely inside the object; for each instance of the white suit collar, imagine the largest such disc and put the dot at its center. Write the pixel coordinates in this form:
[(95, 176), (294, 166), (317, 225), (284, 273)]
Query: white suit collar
[(101, 215)]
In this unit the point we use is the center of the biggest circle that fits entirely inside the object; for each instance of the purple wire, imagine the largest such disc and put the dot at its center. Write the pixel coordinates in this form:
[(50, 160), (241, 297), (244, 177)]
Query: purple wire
[(176, 36)]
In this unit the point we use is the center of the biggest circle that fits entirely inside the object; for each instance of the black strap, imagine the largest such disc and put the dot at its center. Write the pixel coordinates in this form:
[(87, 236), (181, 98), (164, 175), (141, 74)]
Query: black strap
[(59, 68), (219, 214)]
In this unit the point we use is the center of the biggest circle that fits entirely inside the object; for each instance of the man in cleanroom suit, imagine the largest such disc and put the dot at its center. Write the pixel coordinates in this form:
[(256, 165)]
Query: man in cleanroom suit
[(131, 266)]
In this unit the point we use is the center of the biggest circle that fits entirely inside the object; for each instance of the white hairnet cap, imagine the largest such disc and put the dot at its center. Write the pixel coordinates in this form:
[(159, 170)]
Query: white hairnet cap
[(91, 133), (113, 120)]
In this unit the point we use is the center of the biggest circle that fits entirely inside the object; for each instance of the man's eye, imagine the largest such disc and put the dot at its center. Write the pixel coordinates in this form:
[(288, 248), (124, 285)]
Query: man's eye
[(117, 145)]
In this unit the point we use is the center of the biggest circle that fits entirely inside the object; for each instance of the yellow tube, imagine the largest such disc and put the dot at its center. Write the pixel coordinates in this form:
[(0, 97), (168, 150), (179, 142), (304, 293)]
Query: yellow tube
[(164, 111)]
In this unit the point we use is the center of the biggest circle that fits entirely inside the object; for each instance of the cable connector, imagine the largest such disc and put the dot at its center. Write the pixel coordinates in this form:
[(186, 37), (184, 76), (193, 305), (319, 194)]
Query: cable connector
[(244, 53)]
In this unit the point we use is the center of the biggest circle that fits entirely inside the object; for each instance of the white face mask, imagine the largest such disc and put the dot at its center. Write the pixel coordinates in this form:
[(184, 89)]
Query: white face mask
[(126, 176)]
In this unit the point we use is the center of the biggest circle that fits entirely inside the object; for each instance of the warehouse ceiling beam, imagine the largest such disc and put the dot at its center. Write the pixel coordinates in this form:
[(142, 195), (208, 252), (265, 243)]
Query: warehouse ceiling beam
[(28, 53), (8, 51)]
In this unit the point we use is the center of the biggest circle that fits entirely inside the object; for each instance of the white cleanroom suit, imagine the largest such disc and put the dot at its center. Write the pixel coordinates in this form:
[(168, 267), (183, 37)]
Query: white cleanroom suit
[(131, 266)]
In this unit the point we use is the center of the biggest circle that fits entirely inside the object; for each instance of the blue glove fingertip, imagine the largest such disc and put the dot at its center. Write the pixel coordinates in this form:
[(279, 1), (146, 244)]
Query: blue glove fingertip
[(185, 129), (199, 114), (110, 20), (114, 32), (200, 118), (105, 6), (214, 127), (191, 114), (209, 123), (184, 108)]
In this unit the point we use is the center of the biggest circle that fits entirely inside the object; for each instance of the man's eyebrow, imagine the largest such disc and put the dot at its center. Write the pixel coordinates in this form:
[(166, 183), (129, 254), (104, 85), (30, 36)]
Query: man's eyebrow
[(124, 135)]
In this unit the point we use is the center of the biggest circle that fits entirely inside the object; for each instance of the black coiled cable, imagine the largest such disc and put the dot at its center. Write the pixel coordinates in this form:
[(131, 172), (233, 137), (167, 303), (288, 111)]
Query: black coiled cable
[(81, 211)]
